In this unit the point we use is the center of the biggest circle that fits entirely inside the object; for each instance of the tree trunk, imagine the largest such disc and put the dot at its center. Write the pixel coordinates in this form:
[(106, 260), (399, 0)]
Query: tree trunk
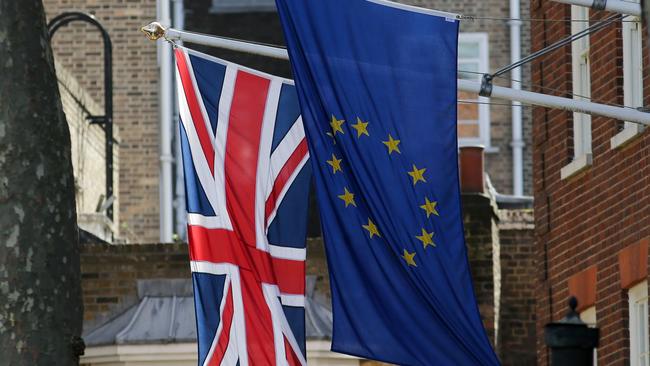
[(41, 310)]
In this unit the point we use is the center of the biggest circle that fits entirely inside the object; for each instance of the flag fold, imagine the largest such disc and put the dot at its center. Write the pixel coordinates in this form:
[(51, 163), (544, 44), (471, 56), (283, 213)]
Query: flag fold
[(377, 87)]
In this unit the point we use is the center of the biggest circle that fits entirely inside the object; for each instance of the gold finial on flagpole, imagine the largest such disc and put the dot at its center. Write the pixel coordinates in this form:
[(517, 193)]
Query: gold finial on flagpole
[(154, 31)]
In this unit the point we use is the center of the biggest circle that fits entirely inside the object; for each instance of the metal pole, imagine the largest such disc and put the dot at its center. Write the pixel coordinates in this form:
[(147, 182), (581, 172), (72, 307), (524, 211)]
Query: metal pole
[(526, 97), (179, 202), (106, 120), (550, 101), (616, 6), (516, 111), (166, 109)]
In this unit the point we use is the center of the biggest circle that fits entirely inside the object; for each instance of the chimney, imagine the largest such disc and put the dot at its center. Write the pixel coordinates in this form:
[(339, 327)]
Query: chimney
[(472, 177)]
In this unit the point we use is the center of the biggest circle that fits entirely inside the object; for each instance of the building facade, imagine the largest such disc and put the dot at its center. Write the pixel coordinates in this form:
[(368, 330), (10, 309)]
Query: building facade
[(484, 46), (592, 181), (78, 49)]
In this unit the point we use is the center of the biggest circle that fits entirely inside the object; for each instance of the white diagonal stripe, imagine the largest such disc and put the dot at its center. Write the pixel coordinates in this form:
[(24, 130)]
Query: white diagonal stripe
[(199, 99), (285, 189), (262, 179), (295, 254), (285, 148), (271, 296), (215, 341), (198, 157), (223, 121)]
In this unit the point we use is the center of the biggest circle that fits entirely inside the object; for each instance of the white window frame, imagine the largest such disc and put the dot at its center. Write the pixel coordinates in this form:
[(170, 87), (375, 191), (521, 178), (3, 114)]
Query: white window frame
[(581, 75), (632, 76), (241, 6), (483, 107), (589, 317), (638, 314)]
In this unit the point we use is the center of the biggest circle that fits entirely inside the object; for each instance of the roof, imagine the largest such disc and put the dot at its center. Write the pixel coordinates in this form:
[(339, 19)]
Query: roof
[(165, 314)]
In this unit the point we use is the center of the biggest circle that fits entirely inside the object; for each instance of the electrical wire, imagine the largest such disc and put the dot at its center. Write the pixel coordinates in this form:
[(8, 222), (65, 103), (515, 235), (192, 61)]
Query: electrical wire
[(545, 88), (472, 18)]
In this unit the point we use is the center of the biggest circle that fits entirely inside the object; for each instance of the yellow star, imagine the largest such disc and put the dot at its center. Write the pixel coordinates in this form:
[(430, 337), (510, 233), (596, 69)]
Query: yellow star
[(417, 174), (425, 238), (372, 229), (430, 207), (361, 127), (335, 163), (348, 198), (336, 126), (409, 258), (392, 144)]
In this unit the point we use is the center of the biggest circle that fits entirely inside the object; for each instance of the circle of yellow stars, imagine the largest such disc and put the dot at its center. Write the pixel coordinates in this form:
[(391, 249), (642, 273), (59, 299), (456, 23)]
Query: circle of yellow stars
[(416, 174)]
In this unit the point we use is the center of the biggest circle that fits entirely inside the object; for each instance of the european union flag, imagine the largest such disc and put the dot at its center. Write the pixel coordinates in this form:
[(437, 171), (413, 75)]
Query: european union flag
[(377, 87)]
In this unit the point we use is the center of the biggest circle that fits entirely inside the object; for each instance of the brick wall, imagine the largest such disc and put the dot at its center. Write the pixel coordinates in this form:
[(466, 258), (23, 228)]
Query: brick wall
[(110, 272), (483, 250), (87, 144), (586, 220), (79, 49), (517, 336), (265, 28)]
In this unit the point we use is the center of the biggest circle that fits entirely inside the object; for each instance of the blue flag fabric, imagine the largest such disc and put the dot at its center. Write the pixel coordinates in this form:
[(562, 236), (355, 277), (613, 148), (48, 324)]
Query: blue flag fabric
[(377, 87)]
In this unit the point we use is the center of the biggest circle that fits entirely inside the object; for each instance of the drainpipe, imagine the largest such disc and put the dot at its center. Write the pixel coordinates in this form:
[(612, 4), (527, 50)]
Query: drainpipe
[(165, 103), (179, 186), (517, 133)]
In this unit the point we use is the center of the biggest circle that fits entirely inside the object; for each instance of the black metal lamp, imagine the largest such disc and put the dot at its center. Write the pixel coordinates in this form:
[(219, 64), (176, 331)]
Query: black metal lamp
[(571, 341)]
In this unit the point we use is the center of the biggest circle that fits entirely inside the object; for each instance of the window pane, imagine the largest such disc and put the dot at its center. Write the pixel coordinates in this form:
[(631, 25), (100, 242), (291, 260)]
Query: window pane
[(472, 69), (468, 50)]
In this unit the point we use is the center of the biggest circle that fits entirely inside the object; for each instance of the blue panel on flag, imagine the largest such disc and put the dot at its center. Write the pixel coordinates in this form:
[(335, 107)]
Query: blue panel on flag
[(290, 224), (195, 197), (377, 87), (288, 112), (209, 78), (296, 318), (207, 288)]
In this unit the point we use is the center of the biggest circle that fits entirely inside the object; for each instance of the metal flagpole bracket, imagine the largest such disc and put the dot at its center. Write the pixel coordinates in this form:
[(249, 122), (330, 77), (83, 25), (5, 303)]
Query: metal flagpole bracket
[(486, 86), (154, 31), (599, 5)]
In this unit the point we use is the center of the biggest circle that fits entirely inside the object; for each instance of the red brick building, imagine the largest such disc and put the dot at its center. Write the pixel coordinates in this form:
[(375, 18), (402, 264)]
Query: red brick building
[(592, 181)]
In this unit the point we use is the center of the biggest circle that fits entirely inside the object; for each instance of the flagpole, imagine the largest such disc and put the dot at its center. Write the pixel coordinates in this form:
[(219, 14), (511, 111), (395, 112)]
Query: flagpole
[(155, 31), (616, 6)]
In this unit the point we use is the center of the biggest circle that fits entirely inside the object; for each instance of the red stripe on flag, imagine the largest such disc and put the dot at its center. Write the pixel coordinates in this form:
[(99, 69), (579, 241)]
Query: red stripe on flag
[(285, 173), (259, 323), (244, 130), (195, 109), (224, 337), (292, 359), (223, 246)]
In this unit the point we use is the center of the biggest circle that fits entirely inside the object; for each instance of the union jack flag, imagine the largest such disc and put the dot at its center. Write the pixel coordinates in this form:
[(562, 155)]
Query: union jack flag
[(247, 184)]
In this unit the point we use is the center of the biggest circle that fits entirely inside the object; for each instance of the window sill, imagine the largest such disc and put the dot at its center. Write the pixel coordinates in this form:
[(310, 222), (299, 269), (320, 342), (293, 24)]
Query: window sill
[(628, 134), (487, 148), (578, 164)]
